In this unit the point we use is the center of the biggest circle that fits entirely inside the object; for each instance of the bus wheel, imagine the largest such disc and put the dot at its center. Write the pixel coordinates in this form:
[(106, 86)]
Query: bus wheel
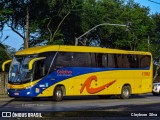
[(125, 93), (58, 94)]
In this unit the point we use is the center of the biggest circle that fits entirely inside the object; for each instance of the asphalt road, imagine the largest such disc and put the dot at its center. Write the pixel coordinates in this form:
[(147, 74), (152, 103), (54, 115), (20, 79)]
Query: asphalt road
[(137, 106)]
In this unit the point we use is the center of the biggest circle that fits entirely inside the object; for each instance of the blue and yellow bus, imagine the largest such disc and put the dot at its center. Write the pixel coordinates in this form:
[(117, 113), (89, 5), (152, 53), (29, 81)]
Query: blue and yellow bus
[(56, 71)]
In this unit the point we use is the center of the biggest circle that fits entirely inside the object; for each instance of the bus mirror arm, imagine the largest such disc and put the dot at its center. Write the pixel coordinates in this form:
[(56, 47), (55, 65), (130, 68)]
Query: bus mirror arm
[(30, 66), (4, 63)]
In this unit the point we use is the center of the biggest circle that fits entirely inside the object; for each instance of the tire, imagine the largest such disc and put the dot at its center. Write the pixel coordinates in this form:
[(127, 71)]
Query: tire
[(104, 96), (125, 92), (58, 94)]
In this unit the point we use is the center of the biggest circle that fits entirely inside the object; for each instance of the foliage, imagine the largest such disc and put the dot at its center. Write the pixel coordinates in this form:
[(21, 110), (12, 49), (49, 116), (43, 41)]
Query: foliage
[(61, 21), (3, 55), (156, 36)]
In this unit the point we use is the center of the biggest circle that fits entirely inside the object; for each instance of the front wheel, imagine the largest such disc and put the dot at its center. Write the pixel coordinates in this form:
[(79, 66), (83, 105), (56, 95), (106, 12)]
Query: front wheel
[(58, 94), (125, 93)]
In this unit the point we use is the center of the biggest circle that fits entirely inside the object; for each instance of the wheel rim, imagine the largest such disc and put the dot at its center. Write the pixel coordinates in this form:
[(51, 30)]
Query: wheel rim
[(126, 92), (59, 94)]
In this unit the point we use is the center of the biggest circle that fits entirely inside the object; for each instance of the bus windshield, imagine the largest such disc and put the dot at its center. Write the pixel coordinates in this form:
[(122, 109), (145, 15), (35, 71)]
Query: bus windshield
[(19, 72)]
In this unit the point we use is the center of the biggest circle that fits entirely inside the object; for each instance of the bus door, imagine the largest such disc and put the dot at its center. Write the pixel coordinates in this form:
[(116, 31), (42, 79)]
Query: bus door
[(38, 67)]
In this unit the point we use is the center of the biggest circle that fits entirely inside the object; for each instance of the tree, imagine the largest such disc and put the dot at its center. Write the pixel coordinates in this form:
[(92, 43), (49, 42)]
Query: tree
[(4, 55), (19, 17), (42, 20), (156, 43), (61, 23), (118, 12)]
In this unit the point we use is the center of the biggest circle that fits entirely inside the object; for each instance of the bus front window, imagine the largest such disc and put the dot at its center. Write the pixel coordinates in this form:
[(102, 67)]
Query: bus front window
[(19, 72)]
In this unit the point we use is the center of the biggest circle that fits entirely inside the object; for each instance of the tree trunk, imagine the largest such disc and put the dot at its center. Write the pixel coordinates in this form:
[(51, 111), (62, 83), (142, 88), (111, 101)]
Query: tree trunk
[(53, 35), (26, 40)]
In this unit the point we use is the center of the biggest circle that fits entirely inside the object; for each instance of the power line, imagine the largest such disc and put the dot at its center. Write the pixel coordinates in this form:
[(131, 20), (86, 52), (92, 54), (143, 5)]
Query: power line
[(11, 30), (6, 30), (154, 2)]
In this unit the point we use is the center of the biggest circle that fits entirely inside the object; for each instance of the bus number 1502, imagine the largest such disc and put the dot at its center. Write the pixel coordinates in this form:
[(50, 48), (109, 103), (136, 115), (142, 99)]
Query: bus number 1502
[(145, 73)]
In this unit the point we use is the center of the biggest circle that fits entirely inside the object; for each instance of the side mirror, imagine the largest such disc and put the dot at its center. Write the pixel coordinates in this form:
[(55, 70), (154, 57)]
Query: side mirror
[(4, 63), (30, 66)]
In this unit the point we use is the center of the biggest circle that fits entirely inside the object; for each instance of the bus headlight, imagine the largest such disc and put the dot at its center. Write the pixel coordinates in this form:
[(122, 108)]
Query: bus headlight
[(28, 87)]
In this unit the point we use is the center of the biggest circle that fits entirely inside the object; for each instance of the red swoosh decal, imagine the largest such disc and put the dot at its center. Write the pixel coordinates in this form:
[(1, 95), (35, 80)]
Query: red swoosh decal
[(91, 90)]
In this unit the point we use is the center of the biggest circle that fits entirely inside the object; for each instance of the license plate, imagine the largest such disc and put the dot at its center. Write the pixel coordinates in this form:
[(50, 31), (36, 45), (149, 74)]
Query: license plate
[(16, 93)]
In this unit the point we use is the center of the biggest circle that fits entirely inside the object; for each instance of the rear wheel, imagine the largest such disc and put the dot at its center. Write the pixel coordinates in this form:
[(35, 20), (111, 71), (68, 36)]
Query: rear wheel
[(126, 91), (58, 94)]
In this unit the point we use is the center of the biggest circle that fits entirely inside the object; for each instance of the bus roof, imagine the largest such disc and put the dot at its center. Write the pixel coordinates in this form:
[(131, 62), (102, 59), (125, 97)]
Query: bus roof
[(49, 48)]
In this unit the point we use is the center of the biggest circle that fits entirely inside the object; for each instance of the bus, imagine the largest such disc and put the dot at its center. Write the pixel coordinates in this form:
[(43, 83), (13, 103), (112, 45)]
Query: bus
[(57, 71)]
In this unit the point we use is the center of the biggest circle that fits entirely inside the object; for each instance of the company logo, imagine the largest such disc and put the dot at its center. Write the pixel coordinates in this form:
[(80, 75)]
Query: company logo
[(91, 90), (6, 114), (64, 73), (21, 114)]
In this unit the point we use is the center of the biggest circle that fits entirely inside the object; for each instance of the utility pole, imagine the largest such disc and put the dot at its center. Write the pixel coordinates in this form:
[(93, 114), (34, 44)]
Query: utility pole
[(104, 24), (26, 39)]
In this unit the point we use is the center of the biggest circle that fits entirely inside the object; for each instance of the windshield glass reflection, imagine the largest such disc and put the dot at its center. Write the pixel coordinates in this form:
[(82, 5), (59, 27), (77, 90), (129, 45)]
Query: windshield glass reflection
[(19, 72)]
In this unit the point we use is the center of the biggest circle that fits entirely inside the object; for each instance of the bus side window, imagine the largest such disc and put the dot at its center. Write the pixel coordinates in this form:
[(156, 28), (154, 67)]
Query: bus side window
[(99, 60), (122, 61), (144, 61), (76, 61), (111, 61), (125, 63), (104, 60), (119, 60), (62, 60), (66, 59), (93, 59), (133, 61), (82, 60)]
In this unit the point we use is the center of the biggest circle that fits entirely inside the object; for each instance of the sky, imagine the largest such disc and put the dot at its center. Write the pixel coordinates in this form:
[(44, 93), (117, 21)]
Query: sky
[(154, 6), (16, 42)]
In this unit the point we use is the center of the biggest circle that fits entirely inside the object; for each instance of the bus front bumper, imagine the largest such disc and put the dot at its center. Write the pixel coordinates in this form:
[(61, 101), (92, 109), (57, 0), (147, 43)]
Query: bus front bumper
[(20, 93)]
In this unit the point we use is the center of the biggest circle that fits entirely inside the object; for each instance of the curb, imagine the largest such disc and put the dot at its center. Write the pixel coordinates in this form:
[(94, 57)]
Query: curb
[(4, 96)]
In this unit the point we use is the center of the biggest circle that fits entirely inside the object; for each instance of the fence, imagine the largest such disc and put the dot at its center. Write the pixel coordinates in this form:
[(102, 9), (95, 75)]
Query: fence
[(3, 83)]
